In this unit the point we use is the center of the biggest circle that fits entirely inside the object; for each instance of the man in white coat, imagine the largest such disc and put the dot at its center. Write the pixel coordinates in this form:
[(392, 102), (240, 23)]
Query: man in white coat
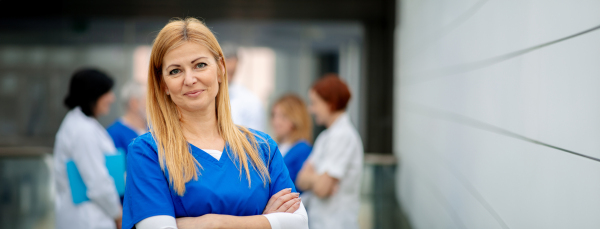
[(246, 108)]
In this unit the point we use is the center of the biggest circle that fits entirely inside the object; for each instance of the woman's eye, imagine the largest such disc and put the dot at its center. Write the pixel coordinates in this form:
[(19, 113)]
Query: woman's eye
[(201, 65), (174, 71)]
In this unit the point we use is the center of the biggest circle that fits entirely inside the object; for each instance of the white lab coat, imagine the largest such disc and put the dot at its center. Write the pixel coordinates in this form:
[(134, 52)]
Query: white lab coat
[(338, 151), (246, 108), (85, 141)]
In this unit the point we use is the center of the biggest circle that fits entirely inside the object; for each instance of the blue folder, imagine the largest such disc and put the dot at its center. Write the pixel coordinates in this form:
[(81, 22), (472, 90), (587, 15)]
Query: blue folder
[(116, 169)]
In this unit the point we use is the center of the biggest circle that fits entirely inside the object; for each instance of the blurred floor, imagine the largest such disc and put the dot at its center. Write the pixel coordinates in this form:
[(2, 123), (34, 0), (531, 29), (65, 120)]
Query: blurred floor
[(379, 206), (26, 196)]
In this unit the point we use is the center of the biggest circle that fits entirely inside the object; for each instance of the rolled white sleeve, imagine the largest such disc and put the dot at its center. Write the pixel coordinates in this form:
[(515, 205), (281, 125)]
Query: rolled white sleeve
[(339, 154), (282, 220), (157, 222), (90, 162)]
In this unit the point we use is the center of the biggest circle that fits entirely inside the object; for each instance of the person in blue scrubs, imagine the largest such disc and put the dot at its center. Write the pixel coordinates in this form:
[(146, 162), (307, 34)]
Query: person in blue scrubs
[(196, 168), (133, 123), (293, 130)]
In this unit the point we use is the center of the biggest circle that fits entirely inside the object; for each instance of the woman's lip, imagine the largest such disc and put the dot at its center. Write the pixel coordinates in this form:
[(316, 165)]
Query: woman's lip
[(194, 93)]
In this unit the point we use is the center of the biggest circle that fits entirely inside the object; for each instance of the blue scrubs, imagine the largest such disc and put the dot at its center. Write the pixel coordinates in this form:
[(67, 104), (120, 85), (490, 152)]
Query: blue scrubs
[(121, 134), (220, 189), (294, 159)]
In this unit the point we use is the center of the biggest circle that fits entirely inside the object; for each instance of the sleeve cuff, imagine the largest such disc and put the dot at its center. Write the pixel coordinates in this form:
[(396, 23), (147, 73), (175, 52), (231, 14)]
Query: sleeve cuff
[(273, 221), (333, 172)]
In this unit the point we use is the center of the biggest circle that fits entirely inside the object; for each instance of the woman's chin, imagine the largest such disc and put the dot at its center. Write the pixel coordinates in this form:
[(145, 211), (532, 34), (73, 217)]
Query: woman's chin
[(195, 107)]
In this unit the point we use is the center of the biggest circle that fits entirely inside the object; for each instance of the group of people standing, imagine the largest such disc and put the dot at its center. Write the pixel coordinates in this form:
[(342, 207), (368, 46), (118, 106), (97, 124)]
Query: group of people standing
[(193, 157)]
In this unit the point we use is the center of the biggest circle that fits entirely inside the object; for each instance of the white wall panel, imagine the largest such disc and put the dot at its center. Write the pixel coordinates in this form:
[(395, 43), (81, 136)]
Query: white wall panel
[(527, 185), (466, 137)]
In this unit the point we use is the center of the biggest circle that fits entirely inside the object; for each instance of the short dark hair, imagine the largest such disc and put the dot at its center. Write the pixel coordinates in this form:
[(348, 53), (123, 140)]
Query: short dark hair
[(86, 87), (333, 90)]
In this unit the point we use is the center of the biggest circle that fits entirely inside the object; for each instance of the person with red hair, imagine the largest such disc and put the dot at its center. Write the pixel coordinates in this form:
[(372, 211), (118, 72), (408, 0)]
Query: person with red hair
[(331, 174)]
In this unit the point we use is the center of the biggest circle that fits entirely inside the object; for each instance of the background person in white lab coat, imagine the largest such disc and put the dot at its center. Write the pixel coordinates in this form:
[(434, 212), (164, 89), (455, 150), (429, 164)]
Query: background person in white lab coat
[(84, 140), (246, 108), (331, 175)]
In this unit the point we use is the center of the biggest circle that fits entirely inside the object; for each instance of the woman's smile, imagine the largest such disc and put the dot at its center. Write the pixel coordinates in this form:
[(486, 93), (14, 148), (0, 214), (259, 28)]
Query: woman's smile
[(194, 93)]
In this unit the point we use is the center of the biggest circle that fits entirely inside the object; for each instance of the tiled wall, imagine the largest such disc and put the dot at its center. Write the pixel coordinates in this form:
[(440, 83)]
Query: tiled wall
[(497, 113)]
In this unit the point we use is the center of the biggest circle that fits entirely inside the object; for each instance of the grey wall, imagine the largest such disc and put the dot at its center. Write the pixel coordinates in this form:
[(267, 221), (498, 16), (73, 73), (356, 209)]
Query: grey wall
[(497, 117)]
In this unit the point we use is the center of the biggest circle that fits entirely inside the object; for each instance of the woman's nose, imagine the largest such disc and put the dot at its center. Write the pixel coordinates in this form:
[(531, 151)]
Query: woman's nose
[(190, 78)]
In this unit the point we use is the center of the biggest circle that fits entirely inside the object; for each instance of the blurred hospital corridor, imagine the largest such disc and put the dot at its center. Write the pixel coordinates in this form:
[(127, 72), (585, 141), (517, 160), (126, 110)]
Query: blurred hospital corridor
[(468, 114)]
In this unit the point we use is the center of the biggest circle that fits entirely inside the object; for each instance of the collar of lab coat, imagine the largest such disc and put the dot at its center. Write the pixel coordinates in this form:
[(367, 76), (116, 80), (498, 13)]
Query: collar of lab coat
[(342, 120)]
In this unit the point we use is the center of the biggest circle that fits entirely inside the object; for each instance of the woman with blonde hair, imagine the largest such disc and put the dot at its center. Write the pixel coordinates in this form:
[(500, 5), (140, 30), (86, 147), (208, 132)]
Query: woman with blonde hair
[(195, 168), (293, 131)]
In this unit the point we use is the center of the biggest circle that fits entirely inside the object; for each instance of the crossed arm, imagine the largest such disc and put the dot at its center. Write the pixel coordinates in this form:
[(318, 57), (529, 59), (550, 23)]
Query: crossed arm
[(322, 185), (283, 202)]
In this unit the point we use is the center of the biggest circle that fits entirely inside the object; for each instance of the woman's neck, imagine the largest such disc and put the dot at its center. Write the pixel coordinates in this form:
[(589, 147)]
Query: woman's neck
[(334, 117), (132, 119), (200, 127), (286, 140)]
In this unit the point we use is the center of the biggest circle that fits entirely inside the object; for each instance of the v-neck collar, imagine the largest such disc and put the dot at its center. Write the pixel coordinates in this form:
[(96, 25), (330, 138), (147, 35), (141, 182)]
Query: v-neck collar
[(209, 158)]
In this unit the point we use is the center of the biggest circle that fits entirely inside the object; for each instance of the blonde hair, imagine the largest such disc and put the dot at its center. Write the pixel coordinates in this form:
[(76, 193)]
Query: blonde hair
[(295, 110), (164, 117)]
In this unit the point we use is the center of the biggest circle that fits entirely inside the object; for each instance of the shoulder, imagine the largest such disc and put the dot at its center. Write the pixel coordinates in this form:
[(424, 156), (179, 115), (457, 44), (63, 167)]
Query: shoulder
[(144, 144), (344, 132), (146, 139), (115, 126), (303, 145), (262, 137), (300, 150), (266, 144), (81, 126)]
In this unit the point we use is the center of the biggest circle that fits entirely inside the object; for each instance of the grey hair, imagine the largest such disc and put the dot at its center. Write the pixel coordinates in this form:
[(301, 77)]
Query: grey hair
[(132, 90)]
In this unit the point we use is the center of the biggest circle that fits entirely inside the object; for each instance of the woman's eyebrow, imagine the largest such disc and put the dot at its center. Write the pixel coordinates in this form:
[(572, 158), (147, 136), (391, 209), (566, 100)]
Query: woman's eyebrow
[(175, 65), (198, 59)]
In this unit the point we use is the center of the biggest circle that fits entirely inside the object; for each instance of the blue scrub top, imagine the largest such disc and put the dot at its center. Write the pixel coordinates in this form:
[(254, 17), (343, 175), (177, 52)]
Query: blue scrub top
[(220, 189), (295, 158), (121, 134)]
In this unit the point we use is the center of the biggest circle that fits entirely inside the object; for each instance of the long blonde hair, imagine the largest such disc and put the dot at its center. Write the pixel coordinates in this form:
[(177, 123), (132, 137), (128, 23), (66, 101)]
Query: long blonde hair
[(164, 116), (295, 110)]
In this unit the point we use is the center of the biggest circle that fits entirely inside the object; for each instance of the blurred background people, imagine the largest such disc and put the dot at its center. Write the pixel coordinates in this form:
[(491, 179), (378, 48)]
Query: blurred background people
[(133, 122), (246, 108), (82, 139), (292, 127), (333, 170)]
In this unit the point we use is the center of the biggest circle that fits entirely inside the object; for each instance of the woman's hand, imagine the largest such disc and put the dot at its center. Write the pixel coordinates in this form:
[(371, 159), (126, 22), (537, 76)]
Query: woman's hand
[(283, 201)]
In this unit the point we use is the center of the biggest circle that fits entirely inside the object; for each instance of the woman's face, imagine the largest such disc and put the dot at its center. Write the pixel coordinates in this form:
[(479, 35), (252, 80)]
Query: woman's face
[(103, 104), (191, 76), (319, 108), (282, 125)]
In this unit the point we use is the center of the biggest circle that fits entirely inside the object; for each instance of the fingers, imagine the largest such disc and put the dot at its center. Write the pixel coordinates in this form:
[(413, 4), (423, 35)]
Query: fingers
[(283, 200), (278, 205), (279, 194), (275, 197), (294, 207), (288, 205)]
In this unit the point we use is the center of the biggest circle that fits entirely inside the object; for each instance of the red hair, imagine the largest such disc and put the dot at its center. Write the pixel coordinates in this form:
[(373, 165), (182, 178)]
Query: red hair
[(333, 90)]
